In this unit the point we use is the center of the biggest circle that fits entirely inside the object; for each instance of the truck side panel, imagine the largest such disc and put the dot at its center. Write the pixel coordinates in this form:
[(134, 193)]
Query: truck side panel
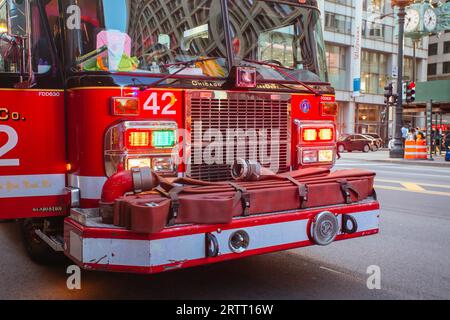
[(32, 153)]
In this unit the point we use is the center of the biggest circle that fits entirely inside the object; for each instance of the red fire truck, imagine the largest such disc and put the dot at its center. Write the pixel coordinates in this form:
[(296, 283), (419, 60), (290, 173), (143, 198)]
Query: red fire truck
[(101, 98)]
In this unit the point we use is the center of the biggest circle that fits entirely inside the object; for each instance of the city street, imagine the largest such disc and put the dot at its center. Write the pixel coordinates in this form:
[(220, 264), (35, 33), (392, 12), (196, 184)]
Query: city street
[(412, 251)]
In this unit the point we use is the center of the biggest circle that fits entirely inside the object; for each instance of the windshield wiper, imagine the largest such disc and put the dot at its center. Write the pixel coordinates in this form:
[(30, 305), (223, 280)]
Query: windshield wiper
[(185, 65), (90, 55), (281, 69)]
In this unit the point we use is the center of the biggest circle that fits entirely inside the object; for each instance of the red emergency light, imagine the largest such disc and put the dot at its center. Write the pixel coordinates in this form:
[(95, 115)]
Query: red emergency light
[(329, 109), (317, 134), (246, 77), (125, 106)]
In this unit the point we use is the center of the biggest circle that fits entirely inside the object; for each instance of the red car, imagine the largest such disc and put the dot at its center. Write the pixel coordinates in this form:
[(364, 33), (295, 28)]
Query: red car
[(356, 142)]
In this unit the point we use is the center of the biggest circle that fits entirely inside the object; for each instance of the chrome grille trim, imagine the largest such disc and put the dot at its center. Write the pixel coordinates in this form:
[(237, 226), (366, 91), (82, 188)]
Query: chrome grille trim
[(236, 110)]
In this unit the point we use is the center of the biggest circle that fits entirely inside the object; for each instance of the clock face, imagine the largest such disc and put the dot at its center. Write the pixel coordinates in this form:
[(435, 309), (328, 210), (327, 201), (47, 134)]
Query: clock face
[(430, 20), (412, 20)]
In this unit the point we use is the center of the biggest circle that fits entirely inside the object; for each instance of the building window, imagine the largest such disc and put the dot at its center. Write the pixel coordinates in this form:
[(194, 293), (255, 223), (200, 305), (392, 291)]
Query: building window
[(447, 47), (372, 26), (433, 49), (336, 60), (432, 68), (408, 69), (446, 67), (373, 29), (338, 23), (373, 72), (344, 2), (375, 6)]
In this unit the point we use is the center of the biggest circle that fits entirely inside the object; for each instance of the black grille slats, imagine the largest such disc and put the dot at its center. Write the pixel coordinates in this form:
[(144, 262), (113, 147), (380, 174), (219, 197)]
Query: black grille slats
[(240, 111)]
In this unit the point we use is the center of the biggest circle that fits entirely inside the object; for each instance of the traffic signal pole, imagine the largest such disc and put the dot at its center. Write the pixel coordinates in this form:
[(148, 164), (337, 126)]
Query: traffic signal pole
[(398, 150), (410, 92)]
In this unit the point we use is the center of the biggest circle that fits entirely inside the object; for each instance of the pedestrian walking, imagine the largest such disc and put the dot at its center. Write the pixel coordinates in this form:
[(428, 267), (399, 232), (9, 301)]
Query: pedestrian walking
[(433, 142), (420, 135), (438, 142), (412, 134), (405, 132), (447, 141), (391, 143)]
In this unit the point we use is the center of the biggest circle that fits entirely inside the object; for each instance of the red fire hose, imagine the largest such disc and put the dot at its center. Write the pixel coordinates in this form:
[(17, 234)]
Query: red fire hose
[(136, 180)]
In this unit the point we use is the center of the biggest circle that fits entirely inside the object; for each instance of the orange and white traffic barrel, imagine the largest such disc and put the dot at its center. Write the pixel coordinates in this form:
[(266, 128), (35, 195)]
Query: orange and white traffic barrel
[(421, 149), (410, 150)]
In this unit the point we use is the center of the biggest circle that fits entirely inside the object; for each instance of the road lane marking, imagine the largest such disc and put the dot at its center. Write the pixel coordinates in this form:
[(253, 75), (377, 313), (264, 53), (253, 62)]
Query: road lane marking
[(446, 186), (400, 170), (434, 193), (385, 172), (362, 164), (402, 167), (412, 186)]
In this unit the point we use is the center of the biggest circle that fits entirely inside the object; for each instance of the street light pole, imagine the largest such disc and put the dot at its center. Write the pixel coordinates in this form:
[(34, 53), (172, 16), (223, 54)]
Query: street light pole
[(398, 150)]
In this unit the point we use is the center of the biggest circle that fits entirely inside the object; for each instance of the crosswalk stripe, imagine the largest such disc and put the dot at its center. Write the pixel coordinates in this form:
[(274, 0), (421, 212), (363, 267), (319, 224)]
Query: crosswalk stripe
[(434, 193)]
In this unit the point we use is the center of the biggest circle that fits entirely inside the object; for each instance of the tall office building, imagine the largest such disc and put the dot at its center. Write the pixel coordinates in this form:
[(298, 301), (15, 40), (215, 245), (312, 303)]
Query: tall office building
[(439, 57), (439, 77), (367, 112)]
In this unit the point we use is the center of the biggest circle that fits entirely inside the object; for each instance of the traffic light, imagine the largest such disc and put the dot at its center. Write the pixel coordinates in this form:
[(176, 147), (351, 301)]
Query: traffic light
[(411, 92), (388, 93)]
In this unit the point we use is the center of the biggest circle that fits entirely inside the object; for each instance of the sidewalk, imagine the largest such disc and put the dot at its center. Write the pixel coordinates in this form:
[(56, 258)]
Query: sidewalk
[(383, 156)]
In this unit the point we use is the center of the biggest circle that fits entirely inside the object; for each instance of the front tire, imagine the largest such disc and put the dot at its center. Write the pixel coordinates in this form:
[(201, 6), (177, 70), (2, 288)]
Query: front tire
[(341, 149), (37, 249), (366, 149)]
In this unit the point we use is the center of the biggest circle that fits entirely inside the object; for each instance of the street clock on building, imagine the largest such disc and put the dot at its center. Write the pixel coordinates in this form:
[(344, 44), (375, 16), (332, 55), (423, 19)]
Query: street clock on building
[(430, 19), (412, 22), (421, 20)]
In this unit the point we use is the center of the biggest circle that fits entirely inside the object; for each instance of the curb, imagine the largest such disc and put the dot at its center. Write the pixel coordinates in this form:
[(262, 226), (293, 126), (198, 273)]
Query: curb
[(426, 163)]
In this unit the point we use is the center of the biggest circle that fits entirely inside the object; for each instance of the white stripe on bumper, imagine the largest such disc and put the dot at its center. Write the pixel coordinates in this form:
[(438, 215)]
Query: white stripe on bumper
[(152, 253)]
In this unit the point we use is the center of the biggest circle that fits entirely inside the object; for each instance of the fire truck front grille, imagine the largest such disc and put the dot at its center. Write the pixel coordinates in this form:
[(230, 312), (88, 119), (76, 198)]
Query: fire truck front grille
[(237, 120)]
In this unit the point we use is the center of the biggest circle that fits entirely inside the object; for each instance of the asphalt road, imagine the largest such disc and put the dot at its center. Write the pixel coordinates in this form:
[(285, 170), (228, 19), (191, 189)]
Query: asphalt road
[(412, 251)]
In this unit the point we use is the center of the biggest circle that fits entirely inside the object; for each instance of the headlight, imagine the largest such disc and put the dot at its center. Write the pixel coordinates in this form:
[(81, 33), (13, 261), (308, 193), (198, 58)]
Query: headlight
[(139, 163), (308, 156), (151, 144), (163, 165), (326, 156)]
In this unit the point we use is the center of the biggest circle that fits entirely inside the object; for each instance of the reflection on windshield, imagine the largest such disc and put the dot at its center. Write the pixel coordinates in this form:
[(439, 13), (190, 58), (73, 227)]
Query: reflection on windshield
[(277, 33), (157, 36), (149, 37)]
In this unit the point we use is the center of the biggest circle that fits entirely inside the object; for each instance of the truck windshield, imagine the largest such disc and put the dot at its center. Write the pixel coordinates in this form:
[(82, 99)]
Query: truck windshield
[(159, 36), (146, 36), (281, 34)]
